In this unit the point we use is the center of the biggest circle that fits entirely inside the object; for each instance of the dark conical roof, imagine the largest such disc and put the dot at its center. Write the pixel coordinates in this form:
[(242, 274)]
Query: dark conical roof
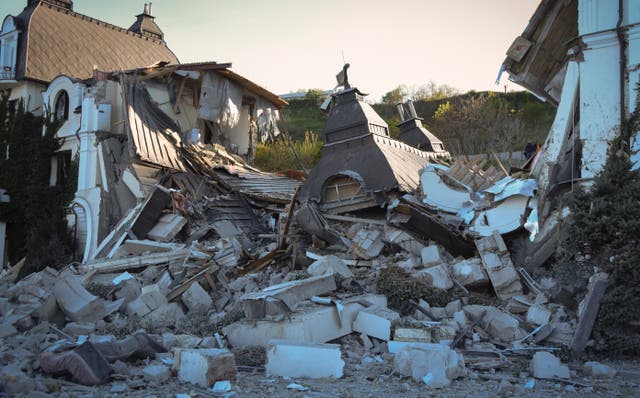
[(145, 24)]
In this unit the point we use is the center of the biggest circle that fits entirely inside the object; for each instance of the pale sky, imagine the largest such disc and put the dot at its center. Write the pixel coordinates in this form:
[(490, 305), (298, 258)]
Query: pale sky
[(286, 45)]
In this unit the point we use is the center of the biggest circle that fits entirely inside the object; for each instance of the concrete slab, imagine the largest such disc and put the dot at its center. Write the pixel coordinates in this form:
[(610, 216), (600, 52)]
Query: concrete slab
[(329, 265), (470, 272), (436, 365), (431, 255), (167, 227), (197, 300), (375, 322), (546, 366), (438, 276), (310, 323), (205, 366)]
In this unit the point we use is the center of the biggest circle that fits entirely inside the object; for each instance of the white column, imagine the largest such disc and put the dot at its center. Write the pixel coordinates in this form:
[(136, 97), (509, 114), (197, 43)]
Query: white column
[(599, 99)]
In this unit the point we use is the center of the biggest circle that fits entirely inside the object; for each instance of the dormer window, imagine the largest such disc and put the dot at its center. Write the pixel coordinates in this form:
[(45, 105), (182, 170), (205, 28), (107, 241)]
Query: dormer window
[(62, 106)]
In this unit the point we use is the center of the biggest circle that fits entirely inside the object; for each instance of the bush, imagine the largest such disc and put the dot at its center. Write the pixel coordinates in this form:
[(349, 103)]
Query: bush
[(277, 155)]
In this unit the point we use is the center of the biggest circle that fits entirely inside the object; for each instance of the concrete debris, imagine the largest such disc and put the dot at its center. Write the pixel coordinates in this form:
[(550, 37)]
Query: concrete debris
[(438, 277), (431, 255), (470, 272), (293, 359), (407, 334), (156, 373), (404, 240), (538, 315), (547, 366), (599, 370), (497, 263), (205, 366), (197, 300), (499, 324), (77, 303), (433, 364), (375, 322), (280, 300), (167, 227), (367, 243), (330, 265)]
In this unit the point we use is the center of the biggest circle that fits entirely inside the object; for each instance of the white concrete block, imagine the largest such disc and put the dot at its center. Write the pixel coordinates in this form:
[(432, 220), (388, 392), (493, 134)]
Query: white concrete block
[(436, 365), (205, 366), (375, 322), (497, 323), (329, 265), (404, 240), (545, 365), (410, 263), (431, 255), (470, 272), (412, 334), (397, 346), (294, 359), (167, 227), (453, 307), (599, 370), (156, 373), (311, 323), (197, 300), (367, 243), (438, 277), (538, 315)]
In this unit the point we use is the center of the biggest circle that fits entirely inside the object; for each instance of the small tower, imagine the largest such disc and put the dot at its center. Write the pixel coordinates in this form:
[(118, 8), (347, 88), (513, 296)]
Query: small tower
[(145, 24), (413, 133)]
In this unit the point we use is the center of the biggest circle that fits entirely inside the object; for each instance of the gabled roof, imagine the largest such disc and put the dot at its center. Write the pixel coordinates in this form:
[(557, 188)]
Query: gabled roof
[(57, 41)]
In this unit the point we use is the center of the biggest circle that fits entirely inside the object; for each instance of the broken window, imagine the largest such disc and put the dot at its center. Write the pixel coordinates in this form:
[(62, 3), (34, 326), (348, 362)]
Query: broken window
[(62, 106), (341, 188)]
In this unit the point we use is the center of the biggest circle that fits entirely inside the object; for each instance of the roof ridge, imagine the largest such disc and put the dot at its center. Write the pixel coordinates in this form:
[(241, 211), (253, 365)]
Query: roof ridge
[(99, 22)]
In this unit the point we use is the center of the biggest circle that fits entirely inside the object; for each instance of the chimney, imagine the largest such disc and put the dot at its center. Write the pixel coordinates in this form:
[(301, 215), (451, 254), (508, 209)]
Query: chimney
[(412, 109), (146, 25), (150, 4)]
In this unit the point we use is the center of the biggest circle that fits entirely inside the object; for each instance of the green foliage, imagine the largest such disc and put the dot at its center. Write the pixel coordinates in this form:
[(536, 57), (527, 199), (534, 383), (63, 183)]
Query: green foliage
[(36, 215), (396, 96), (278, 156), (303, 115), (604, 232)]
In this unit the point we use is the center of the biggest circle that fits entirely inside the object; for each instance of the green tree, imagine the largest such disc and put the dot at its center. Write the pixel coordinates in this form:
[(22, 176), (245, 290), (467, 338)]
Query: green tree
[(396, 96)]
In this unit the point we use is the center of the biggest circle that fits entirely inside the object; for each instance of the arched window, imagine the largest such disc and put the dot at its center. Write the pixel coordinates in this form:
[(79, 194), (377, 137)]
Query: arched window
[(62, 106)]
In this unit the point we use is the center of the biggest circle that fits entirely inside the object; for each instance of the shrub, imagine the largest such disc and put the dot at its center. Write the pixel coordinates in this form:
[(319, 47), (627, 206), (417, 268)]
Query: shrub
[(278, 156)]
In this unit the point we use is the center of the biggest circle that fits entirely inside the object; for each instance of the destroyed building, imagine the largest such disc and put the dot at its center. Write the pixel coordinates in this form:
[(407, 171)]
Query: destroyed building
[(199, 278)]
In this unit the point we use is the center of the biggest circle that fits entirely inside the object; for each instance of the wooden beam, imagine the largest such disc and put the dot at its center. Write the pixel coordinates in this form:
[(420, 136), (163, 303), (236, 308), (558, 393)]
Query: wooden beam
[(125, 263), (588, 319), (354, 219)]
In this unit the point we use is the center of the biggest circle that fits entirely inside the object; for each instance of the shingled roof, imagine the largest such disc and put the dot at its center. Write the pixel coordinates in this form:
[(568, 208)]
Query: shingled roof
[(57, 41)]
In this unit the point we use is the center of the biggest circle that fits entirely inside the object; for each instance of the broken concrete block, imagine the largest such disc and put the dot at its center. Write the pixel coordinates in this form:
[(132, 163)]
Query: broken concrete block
[(453, 307), (294, 359), (156, 373), (436, 365), (278, 301), (197, 300), (410, 263), (497, 263), (395, 347), (375, 322), (146, 303), (538, 315), (329, 265), (470, 272), (128, 290), (85, 363), (412, 334), (311, 323), (460, 318), (77, 303), (562, 333), (166, 315), (446, 331), (499, 324), (599, 370), (438, 313), (167, 227), (205, 366), (545, 366), (367, 243), (431, 255), (404, 240), (438, 277), (78, 329)]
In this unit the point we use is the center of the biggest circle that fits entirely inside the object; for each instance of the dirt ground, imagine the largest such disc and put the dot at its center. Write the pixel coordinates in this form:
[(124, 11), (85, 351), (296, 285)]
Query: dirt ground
[(373, 380)]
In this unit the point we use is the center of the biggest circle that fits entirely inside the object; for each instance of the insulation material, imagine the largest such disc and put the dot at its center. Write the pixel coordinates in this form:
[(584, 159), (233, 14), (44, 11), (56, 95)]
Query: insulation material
[(267, 117), (220, 101)]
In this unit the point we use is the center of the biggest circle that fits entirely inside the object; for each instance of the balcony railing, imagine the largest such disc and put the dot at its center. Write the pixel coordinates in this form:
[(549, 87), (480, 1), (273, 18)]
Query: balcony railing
[(7, 73)]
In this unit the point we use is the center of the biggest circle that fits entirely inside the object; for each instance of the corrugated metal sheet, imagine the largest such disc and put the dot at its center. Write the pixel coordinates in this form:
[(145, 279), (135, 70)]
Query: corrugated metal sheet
[(258, 184)]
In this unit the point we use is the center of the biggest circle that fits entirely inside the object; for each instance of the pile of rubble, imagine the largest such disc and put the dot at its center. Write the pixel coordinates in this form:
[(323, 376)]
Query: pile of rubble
[(201, 300)]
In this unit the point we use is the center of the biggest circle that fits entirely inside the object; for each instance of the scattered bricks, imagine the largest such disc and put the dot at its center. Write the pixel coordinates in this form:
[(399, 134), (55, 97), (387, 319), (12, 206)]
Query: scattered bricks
[(167, 227), (497, 263), (404, 240), (538, 315), (197, 300), (499, 324), (438, 277), (146, 303), (599, 370), (470, 272), (367, 243), (375, 322), (205, 366), (329, 265), (311, 323), (546, 366), (453, 307), (166, 315), (292, 359), (411, 334), (436, 365), (280, 300), (431, 255), (156, 373)]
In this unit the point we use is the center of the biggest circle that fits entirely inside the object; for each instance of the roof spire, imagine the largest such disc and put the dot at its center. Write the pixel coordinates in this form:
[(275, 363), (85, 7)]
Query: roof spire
[(146, 25)]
